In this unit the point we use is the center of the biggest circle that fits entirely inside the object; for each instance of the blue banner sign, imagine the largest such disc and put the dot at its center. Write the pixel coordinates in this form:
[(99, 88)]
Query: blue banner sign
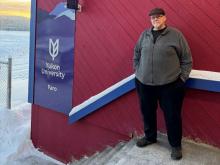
[(54, 58)]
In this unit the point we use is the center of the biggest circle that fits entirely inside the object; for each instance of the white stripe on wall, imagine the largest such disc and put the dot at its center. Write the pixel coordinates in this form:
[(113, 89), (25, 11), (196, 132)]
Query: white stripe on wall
[(195, 74), (205, 75)]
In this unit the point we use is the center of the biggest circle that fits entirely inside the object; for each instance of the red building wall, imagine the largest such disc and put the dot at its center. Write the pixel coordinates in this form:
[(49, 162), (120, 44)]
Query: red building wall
[(106, 32)]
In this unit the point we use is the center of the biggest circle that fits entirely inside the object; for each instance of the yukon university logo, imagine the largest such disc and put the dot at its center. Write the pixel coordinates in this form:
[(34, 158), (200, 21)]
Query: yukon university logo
[(53, 48)]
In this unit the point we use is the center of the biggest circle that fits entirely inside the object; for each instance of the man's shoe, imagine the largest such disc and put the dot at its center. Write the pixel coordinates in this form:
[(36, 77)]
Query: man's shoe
[(176, 153), (144, 142)]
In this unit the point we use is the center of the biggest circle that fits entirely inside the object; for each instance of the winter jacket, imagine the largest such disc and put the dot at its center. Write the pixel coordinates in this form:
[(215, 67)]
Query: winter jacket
[(164, 61)]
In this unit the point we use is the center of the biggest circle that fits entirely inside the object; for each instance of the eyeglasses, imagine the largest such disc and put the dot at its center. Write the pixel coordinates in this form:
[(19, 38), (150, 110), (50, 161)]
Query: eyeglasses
[(156, 17)]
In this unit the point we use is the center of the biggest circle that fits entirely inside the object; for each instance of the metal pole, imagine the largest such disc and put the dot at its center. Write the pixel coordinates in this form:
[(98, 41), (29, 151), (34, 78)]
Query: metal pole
[(9, 83)]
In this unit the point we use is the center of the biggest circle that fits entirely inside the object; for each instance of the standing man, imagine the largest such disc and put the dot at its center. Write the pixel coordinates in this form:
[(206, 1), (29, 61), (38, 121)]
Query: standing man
[(162, 62)]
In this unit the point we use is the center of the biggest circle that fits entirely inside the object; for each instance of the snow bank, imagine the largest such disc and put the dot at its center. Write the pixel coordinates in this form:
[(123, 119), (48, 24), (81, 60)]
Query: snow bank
[(16, 148)]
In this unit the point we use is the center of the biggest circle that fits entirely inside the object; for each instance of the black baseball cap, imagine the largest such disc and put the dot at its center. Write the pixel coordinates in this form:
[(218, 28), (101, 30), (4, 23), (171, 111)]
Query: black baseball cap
[(157, 11)]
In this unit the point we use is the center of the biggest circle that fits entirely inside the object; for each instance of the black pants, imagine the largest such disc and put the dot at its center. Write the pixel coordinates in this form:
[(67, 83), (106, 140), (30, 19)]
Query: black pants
[(170, 98)]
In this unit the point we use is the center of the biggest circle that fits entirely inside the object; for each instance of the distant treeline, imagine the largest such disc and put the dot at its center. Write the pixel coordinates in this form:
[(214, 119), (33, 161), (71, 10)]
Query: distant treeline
[(14, 23)]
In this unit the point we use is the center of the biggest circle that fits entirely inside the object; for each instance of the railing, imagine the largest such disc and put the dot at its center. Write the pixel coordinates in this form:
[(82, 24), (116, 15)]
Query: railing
[(5, 83)]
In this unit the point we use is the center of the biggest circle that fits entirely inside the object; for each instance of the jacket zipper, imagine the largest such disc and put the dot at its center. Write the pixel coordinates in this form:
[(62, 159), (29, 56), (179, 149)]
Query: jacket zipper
[(152, 81), (154, 43)]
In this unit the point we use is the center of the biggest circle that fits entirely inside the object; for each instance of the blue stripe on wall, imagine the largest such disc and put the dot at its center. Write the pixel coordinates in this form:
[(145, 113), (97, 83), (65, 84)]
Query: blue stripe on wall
[(125, 88), (208, 85), (32, 52)]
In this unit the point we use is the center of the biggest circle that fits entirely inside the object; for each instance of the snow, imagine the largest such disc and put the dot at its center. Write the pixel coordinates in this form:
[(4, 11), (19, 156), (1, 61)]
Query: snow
[(16, 147)]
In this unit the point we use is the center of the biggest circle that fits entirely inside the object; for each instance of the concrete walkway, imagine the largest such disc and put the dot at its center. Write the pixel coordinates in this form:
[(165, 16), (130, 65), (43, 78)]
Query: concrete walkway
[(155, 154)]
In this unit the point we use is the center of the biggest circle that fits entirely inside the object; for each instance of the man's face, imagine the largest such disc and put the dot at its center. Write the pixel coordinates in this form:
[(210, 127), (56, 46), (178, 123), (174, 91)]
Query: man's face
[(158, 21)]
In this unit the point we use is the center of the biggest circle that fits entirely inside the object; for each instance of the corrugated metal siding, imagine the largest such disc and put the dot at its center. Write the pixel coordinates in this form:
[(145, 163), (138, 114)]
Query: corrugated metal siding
[(52, 135), (107, 38), (201, 117), (106, 33), (109, 29)]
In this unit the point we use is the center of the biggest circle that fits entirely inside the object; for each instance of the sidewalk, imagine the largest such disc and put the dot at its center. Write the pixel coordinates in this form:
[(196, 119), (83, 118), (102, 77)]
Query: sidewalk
[(155, 154), (159, 154)]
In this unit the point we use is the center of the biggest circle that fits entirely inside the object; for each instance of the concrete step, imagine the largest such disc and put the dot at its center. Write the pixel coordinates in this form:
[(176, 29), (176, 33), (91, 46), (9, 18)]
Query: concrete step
[(108, 156), (97, 157), (101, 158), (121, 153), (159, 154), (155, 154)]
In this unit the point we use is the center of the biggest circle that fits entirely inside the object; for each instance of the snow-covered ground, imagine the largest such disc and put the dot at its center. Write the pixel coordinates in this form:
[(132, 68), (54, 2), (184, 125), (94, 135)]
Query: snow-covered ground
[(16, 147)]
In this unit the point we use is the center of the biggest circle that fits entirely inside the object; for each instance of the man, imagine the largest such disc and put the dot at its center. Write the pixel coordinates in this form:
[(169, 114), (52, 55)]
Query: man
[(162, 62)]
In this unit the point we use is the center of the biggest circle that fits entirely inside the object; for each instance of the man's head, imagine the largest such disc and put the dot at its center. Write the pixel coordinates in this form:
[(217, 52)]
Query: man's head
[(158, 18)]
